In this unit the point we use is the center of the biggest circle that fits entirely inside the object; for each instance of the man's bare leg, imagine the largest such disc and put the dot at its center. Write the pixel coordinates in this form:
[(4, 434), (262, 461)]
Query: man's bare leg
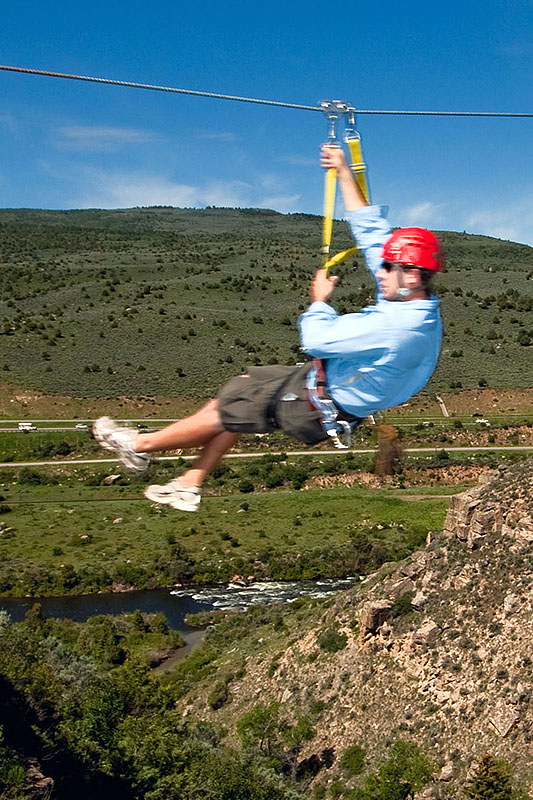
[(198, 430), (208, 459), (183, 493)]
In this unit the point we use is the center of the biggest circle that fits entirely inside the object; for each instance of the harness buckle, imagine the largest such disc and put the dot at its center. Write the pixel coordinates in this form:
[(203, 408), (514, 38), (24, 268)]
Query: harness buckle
[(340, 435)]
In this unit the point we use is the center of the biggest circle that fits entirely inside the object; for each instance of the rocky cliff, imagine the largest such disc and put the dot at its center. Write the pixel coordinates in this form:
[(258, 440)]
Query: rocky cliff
[(437, 650)]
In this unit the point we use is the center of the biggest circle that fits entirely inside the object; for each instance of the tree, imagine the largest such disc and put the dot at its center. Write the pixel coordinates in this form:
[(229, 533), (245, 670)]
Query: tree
[(34, 616), (353, 760), (260, 727), (405, 772), (101, 641), (159, 624), (137, 620), (492, 780)]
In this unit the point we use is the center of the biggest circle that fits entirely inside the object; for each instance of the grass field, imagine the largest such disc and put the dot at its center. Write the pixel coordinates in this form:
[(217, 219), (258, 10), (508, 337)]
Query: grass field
[(71, 536)]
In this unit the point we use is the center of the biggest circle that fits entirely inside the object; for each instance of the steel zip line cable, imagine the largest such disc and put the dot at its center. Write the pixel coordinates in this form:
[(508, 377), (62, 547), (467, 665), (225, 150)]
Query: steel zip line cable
[(277, 103)]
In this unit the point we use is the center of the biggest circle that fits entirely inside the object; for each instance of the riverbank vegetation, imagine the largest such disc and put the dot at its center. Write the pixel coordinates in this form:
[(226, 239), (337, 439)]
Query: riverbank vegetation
[(80, 702), (86, 529), (80, 699)]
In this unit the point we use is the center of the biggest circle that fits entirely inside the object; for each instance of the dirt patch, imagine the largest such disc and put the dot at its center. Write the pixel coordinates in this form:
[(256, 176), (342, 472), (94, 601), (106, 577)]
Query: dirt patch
[(15, 401), (468, 401), (453, 475)]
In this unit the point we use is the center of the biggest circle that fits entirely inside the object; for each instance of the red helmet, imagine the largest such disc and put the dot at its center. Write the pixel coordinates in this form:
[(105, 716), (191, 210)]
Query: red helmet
[(417, 247)]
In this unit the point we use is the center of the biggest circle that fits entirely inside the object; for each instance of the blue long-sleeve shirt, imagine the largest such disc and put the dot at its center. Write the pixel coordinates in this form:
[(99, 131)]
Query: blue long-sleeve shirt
[(383, 355)]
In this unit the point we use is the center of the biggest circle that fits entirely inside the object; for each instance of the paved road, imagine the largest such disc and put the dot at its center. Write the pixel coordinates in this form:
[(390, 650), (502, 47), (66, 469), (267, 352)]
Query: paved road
[(10, 425), (155, 426), (316, 453)]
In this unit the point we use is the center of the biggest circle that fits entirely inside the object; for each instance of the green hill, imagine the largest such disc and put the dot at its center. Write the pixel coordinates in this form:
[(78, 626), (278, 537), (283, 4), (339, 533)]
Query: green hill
[(152, 301)]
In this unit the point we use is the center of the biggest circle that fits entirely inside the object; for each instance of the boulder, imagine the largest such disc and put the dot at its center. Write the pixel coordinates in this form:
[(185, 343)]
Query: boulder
[(446, 772), (401, 587), (427, 634), (37, 785), (419, 601), (503, 717), (374, 614)]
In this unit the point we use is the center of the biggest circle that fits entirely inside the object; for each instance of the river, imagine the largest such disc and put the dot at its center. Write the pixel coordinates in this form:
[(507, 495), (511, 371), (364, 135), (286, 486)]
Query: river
[(175, 603)]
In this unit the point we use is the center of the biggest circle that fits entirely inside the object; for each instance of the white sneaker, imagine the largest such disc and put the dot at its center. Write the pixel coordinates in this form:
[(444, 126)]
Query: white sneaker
[(122, 442), (173, 494)]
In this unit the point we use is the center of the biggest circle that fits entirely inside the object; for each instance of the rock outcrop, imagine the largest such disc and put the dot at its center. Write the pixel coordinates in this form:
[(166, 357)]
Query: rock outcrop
[(438, 651)]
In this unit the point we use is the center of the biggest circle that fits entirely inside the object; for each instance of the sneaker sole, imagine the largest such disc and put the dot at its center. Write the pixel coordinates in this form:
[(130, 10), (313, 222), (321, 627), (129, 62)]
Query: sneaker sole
[(179, 505), (155, 498)]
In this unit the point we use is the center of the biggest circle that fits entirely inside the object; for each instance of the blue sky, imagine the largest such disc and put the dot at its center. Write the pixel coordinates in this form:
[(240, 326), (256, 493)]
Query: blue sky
[(67, 144)]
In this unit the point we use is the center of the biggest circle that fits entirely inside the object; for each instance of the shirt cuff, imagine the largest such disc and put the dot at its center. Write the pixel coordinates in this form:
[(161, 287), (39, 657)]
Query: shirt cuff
[(366, 214), (319, 305)]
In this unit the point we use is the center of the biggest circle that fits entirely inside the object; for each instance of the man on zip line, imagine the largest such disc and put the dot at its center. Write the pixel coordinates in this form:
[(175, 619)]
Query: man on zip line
[(363, 362)]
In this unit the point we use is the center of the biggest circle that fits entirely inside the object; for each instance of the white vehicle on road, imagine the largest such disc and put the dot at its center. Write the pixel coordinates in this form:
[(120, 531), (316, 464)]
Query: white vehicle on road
[(81, 426), (27, 426)]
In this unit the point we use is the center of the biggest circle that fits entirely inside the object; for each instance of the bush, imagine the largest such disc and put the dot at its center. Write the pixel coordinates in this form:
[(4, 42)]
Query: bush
[(405, 773), (219, 696), (332, 641), (402, 604), (30, 477), (159, 624), (353, 760)]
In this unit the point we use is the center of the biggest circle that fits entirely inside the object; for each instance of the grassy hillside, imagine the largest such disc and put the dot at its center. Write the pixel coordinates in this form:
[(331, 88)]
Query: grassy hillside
[(174, 301)]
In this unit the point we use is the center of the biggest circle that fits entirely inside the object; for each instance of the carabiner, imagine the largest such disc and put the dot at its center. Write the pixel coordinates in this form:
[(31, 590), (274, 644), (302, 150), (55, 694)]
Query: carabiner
[(333, 109)]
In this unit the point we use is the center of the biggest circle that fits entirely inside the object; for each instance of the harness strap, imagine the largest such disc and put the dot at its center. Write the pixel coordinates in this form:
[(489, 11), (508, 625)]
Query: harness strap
[(270, 411), (339, 429)]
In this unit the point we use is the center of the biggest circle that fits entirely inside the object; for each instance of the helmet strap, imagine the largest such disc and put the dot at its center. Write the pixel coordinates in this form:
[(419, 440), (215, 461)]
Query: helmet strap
[(402, 293)]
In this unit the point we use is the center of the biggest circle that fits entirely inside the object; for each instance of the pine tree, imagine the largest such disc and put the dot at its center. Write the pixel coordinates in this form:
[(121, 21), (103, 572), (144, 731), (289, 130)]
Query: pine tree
[(492, 780)]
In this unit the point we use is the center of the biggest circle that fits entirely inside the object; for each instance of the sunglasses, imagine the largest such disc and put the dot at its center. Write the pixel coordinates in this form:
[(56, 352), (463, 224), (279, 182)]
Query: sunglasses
[(388, 266)]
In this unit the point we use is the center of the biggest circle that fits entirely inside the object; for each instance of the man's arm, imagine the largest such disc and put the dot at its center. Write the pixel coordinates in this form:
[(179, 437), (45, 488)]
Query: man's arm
[(369, 225), (333, 158), (325, 334)]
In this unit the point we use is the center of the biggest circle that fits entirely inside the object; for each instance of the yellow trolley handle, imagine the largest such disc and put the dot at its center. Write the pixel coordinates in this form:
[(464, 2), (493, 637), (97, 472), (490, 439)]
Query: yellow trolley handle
[(357, 165), (357, 162), (333, 109), (330, 191)]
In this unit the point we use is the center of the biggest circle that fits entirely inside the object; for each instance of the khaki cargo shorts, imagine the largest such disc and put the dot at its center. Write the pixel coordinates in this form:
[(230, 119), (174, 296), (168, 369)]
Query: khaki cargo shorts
[(267, 398)]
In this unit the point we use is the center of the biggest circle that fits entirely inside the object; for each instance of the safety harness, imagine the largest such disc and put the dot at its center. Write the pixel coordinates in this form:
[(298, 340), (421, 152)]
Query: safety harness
[(339, 430)]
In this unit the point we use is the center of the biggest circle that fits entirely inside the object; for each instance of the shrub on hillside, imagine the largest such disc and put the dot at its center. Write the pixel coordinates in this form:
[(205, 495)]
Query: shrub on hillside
[(331, 640), (353, 760)]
